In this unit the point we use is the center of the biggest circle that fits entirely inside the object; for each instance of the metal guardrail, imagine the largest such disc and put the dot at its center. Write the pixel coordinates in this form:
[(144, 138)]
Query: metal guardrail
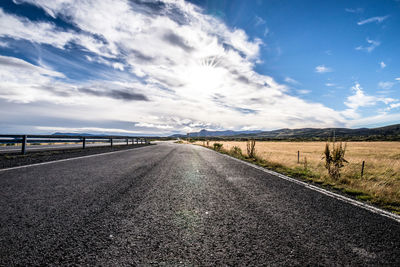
[(24, 140)]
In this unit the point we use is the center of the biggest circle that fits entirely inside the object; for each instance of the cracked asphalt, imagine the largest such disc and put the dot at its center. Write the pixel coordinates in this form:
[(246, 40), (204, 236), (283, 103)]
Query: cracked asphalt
[(174, 204)]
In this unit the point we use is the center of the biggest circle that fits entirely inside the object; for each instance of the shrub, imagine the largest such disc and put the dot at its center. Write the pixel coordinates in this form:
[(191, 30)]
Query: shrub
[(334, 159), (236, 151), (305, 164), (251, 150), (217, 146)]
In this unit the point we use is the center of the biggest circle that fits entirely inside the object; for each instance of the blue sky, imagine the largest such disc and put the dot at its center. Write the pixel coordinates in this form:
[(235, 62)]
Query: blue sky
[(162, 67)]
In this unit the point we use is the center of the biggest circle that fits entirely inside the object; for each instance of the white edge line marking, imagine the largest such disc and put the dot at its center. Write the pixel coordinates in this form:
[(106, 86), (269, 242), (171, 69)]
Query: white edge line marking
[(322, 191), (61, 160)]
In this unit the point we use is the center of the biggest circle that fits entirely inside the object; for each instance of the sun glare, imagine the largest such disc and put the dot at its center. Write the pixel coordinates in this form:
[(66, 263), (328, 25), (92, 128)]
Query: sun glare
[(204, 79)]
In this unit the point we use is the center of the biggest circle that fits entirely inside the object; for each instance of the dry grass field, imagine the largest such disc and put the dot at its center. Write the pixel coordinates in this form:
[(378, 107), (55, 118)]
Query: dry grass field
[(380, 183)]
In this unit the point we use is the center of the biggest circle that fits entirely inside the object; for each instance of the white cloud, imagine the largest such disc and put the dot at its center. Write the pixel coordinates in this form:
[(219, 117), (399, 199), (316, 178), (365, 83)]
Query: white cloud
[(106, 61), (292, 81), (396, 105), (303, 92), (45, 33), (373, 19), (23, 82), (354, 10), (259, 21), (151, 125), (330, 84), (382, 64), (16, 64), (266, 31), (20, 79), (385, 85), (381, 118), (85, 130), (40, 32), (372, 45), (360, 99), (190, 65), (322, 69), (397, 79), (3, 44), (118, 66)]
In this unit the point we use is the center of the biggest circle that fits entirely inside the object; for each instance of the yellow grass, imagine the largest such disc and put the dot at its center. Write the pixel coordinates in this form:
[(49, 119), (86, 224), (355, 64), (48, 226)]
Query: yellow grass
[(381, 180)]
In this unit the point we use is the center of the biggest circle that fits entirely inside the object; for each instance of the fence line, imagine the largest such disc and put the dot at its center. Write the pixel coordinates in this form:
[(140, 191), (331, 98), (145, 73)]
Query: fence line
[(24, 140)]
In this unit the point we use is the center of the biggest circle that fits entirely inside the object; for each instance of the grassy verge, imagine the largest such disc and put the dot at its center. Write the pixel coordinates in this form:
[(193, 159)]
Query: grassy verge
[(345, 185)]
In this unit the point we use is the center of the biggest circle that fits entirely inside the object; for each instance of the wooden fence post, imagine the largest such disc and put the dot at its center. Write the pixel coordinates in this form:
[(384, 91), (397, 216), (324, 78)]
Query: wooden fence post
[(84, 142), (111, 142), (298, 156), (362, 168), (23, 150)]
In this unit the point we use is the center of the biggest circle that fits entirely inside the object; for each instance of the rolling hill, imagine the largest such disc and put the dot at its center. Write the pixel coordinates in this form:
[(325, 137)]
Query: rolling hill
[(391, 132)]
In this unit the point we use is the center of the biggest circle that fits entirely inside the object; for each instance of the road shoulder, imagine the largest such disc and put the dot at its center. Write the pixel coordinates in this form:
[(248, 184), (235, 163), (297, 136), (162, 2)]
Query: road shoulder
[(10, 160)]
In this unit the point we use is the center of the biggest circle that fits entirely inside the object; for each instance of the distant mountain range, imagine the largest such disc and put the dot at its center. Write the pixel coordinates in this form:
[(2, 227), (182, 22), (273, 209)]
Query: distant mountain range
[(205, 133), (391, 132)]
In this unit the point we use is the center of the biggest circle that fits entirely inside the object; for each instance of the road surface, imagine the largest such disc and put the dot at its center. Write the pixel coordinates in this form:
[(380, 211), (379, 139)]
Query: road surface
[(173, 204)]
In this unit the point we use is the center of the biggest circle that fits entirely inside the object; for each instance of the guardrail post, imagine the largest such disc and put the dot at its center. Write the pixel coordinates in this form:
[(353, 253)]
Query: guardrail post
[(127, 141), (23, 150), (84, 142), (111, 142)]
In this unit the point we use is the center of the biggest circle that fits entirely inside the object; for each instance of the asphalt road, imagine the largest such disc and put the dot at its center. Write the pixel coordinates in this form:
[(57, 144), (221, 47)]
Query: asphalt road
[(172, 204)]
